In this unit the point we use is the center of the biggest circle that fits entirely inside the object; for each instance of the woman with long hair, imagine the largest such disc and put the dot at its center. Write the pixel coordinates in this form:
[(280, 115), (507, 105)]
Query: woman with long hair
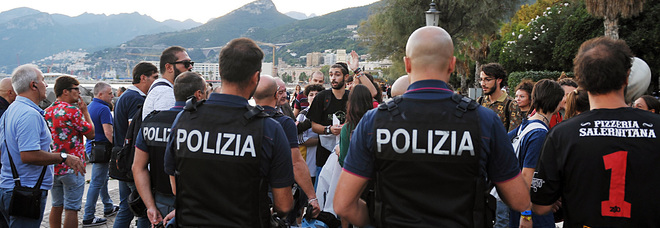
[(359, 102), (576, 102)]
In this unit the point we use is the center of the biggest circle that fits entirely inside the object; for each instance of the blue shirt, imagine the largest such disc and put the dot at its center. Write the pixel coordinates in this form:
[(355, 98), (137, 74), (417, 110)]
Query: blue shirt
[(287, 124), (531, 144), (139, 141), (99, 110), (497, 157), (24, 129), (126, 107), (528, 156), (276, 164)]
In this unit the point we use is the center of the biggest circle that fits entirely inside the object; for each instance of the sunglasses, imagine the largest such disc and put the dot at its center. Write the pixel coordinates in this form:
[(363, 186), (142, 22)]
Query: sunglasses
[(74, 88), (185, 63)]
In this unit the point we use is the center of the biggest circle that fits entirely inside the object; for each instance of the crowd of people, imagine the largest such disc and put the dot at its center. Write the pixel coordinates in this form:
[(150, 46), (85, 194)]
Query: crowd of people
[(186, 155)]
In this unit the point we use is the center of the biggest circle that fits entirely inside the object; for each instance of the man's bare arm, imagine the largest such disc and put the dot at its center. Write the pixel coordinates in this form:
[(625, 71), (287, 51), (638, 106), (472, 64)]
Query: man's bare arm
[(347, 202)]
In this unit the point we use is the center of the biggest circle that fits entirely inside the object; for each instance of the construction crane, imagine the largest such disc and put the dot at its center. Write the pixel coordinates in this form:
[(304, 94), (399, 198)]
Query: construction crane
[(274, 47)]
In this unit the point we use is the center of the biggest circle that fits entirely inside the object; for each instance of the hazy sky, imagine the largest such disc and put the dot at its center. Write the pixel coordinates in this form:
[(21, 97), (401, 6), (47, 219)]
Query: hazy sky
[(198, 10)]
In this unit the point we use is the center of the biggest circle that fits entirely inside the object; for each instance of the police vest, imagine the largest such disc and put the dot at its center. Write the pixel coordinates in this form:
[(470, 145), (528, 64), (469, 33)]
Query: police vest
[(156, 131), (427, 156), (218, 179)]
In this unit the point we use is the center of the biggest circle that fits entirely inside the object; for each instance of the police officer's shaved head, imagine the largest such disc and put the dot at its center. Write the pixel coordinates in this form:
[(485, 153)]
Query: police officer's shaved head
[(266, 89), (429, 48), (400, 86)]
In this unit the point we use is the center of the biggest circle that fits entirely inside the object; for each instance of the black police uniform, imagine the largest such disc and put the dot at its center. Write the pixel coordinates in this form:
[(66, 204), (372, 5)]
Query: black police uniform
[(155, 130), (218, 152), (410, 143)]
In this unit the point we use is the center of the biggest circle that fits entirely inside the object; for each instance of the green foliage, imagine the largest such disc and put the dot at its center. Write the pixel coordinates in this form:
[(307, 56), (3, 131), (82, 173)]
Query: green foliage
[(549, 41), (325, 69), (516, 77), (303, 77), (388, 28)]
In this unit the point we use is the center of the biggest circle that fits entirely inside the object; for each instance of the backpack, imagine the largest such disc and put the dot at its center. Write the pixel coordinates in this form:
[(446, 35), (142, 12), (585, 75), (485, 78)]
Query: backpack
[(121, 160)]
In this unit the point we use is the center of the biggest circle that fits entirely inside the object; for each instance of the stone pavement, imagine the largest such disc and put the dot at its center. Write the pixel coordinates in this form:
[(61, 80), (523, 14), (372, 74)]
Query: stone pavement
[(113, 190)]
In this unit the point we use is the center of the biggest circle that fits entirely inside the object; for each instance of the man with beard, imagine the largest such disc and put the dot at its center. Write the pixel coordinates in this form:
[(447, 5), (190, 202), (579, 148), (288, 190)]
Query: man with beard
[(326, 104), (493, 78), (173, 61)]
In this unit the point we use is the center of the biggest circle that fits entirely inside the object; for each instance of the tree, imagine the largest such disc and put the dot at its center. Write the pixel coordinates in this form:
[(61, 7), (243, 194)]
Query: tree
[(611, 10), (386, 31)]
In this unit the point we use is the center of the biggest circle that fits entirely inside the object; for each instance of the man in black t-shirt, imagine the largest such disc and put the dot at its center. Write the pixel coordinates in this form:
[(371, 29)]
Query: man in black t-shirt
[(326, 103), (602, 163)]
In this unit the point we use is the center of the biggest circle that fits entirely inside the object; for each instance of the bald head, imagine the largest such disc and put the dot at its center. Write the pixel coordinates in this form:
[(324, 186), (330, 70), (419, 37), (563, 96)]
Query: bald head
[(429, 49), (400, 86), (6, 90), (266, 89)]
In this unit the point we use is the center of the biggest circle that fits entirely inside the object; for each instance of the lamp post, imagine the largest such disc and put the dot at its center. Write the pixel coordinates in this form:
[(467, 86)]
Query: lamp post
[(433, 15)]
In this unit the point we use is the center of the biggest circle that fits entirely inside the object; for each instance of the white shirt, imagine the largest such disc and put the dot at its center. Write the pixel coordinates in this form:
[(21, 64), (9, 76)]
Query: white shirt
[(158, 98)]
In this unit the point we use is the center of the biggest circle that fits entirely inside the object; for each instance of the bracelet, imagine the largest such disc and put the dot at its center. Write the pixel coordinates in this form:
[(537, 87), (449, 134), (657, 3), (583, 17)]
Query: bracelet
[(526, 217), (314, 199), (327, 130), (358, 70), (527, 212)]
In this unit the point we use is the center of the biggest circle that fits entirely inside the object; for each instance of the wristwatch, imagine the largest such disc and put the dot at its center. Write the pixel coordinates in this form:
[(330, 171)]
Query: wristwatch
[(64, 156), (327, 130)]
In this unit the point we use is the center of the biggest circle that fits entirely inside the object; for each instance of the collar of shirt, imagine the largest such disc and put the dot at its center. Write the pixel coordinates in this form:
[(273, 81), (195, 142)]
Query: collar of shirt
[(100, 101), (136, 89), (503, 97), (29, 103), (227, 100), (178, 106), (422, 89)]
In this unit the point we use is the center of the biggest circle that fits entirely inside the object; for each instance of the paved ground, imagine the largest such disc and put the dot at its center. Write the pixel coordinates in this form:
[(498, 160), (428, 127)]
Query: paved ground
[(113, 190)]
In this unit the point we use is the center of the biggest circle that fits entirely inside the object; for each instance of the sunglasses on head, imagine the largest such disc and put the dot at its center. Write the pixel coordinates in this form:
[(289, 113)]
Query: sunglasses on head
[(185, 63)]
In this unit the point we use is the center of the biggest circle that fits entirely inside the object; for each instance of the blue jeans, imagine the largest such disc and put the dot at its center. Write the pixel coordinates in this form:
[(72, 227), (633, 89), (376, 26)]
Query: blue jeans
[(501, 215), (68, 190), (98, 186), (21, 222), (125, 216)]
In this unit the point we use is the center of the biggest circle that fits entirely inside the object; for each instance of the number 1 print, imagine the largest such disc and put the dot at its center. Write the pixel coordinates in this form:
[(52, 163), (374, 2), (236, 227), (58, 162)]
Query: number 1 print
[(616, 206)]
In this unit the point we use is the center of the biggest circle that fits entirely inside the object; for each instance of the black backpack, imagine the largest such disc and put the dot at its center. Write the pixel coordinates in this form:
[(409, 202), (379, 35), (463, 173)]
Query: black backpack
[(121, 160)]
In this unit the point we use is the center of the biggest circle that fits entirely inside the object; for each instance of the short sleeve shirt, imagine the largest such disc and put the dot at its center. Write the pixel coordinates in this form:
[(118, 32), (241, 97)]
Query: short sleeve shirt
[(100, 113), (276, 165), (24, 129), (497, 157), (68, 127), (603, 163)]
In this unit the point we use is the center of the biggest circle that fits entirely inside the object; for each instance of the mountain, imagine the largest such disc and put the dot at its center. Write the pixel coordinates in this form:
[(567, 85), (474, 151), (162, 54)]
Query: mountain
[(297, 15), (27, 34), (253, 18), (16, 13)]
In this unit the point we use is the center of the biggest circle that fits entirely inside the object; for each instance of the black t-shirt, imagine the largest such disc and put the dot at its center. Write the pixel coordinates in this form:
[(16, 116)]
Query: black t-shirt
[(322, 115), (603, 163)]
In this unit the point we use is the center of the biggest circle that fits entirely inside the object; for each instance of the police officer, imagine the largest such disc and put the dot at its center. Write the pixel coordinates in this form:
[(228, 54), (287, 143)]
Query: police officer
[(150, 145), (428, 151), (225, 153)]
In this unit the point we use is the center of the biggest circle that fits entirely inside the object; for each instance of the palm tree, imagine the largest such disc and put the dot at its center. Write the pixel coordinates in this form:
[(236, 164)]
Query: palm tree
[(611, 10)]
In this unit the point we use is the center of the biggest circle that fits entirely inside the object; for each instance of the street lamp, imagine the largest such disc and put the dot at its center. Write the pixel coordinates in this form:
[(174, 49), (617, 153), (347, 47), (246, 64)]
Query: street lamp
[(432, 16)]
